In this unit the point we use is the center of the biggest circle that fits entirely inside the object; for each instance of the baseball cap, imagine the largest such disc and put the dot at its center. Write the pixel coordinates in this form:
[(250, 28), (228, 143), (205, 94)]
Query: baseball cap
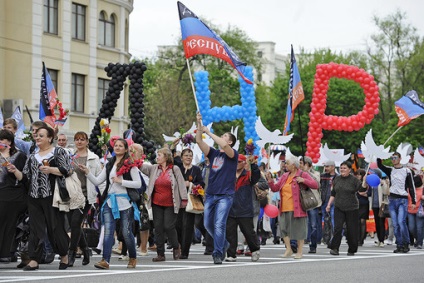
[(242, 157)]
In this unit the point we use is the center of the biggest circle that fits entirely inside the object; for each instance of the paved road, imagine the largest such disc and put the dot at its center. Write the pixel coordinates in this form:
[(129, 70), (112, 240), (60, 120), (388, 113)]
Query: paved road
[(370, 264)]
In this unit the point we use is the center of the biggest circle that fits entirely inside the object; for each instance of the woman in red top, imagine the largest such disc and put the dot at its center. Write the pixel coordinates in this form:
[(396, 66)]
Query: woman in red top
[(166, 194)]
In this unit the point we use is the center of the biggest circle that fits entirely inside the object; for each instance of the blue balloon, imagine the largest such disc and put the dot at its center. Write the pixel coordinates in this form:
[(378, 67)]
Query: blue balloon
[(373, 180)]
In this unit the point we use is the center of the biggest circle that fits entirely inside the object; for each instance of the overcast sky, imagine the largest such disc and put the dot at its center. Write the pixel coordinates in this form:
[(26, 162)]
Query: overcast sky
[(338, 24)]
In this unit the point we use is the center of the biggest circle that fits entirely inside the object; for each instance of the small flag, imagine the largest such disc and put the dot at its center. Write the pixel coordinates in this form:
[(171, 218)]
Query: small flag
[(17, 115), (1, 118), (198, 38), (129, 137), (48, 98), (408, 107), (296, 94), (360, 154)]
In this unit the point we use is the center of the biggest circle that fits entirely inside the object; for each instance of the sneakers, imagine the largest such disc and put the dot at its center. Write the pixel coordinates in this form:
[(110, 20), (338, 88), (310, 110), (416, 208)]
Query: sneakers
[(123, 258), (381, 245), (143, 253), (389, 242), (312, 251), (132, 263), (420, 247), (217, 260), (350, 254), (376, 244), (334, 252), (103, 264), (255, 256), (230, 259), (116, 251)]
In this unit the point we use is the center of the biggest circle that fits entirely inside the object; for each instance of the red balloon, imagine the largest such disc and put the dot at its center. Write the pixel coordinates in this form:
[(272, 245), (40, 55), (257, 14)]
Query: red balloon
[(271, 210)]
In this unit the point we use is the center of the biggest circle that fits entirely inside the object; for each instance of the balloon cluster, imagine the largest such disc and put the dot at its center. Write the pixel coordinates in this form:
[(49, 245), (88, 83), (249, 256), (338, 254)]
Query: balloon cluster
[(119, 73), (245, 111), (319, 121)]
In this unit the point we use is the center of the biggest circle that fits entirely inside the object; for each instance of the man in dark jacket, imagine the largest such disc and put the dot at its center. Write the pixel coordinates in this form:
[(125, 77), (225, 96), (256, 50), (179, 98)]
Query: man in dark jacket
[(241, 212)]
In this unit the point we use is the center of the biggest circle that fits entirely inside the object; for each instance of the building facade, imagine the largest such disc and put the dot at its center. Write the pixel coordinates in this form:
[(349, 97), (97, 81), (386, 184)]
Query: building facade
[(76, 39)]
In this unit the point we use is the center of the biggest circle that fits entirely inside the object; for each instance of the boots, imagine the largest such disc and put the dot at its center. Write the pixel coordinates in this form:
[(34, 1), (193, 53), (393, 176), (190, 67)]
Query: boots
[(71, 258), (86, 255), (132, 263)]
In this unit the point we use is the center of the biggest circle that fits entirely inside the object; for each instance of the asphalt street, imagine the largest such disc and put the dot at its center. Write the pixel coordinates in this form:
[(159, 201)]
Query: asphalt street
[(370, 264)]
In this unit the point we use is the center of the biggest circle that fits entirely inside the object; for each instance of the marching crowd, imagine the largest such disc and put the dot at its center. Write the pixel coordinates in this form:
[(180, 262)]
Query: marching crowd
[(55, 190)]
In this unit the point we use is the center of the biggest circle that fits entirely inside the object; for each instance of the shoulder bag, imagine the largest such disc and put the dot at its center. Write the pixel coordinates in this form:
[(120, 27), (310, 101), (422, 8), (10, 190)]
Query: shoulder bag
[(308, 199), (194, 203)]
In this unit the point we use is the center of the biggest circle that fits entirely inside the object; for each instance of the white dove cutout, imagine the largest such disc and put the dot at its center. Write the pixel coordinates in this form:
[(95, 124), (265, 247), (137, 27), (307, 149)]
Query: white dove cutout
[(336, 155), (418, 160), (290, 155), (322, 158), (371, 151), (266, 136), (405, 149), (197, 154), (234, 132), (274, 163)]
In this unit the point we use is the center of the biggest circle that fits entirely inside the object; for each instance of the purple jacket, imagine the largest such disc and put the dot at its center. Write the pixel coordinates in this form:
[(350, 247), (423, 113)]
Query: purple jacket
[(309, 181)]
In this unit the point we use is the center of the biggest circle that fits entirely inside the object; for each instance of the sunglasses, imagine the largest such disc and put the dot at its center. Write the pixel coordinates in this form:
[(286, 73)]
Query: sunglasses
[(394, 157)]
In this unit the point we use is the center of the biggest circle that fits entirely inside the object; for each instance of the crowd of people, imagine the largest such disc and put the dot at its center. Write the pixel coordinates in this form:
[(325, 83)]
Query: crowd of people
[(57, 190)]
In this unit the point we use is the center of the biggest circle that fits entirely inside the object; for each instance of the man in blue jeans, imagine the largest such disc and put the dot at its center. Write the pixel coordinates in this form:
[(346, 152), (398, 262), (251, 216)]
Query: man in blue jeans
[(401, 181), (221, 185)]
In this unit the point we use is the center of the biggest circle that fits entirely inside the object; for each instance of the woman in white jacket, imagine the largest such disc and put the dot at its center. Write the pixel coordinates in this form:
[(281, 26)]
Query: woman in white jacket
[(85, 157)]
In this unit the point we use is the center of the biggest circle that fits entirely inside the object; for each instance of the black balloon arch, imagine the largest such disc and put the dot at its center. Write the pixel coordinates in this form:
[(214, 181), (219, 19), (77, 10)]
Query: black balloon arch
[(119, 73)]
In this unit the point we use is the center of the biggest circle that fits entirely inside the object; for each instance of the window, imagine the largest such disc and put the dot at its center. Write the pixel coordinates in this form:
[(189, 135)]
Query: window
[(50, 16), (102, 87), (106, 30), (53, 76), (78, 21), (77, 94)]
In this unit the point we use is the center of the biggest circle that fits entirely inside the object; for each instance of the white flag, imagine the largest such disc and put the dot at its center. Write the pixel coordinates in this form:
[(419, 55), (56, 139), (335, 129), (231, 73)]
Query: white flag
[(1, 119), (17, 115)]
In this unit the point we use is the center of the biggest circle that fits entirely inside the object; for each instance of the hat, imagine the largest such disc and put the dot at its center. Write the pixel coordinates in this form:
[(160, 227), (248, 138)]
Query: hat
[(329, 163), (242, 157)]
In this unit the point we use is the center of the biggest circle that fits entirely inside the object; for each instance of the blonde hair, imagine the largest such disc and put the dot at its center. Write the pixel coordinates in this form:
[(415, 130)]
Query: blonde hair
[(167, 154)]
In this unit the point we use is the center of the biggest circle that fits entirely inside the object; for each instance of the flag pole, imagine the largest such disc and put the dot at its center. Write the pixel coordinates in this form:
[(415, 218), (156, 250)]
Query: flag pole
[(192, 85), (300, 130), (392, 135)]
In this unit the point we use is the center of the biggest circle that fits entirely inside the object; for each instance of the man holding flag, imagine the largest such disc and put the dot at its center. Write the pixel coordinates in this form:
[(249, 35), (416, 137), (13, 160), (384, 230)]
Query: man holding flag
[(296, 94)]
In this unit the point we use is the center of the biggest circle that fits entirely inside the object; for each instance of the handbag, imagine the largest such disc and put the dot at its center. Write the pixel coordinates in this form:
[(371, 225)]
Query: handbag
[(420, 212), (384, 211), (134, 195), (194, 203), (308, 200), (63, 192)]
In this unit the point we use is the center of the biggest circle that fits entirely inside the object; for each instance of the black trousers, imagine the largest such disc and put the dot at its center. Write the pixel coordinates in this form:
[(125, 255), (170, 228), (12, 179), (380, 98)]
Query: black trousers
[(42, 216), (379, 225), (164, 220), (352, 229), (185, 230), (9, 214), (75, 219), (198, 222), (247, 228)]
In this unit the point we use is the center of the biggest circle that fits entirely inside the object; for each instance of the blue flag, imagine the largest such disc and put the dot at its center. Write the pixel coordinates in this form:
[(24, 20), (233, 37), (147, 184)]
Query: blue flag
[(296, 94)]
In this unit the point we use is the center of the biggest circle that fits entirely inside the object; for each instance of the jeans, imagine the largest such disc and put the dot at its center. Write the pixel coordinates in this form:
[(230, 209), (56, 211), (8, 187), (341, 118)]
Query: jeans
[(314, 221), (416, 227), (127, 222), (398, 208), (217, 208)]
